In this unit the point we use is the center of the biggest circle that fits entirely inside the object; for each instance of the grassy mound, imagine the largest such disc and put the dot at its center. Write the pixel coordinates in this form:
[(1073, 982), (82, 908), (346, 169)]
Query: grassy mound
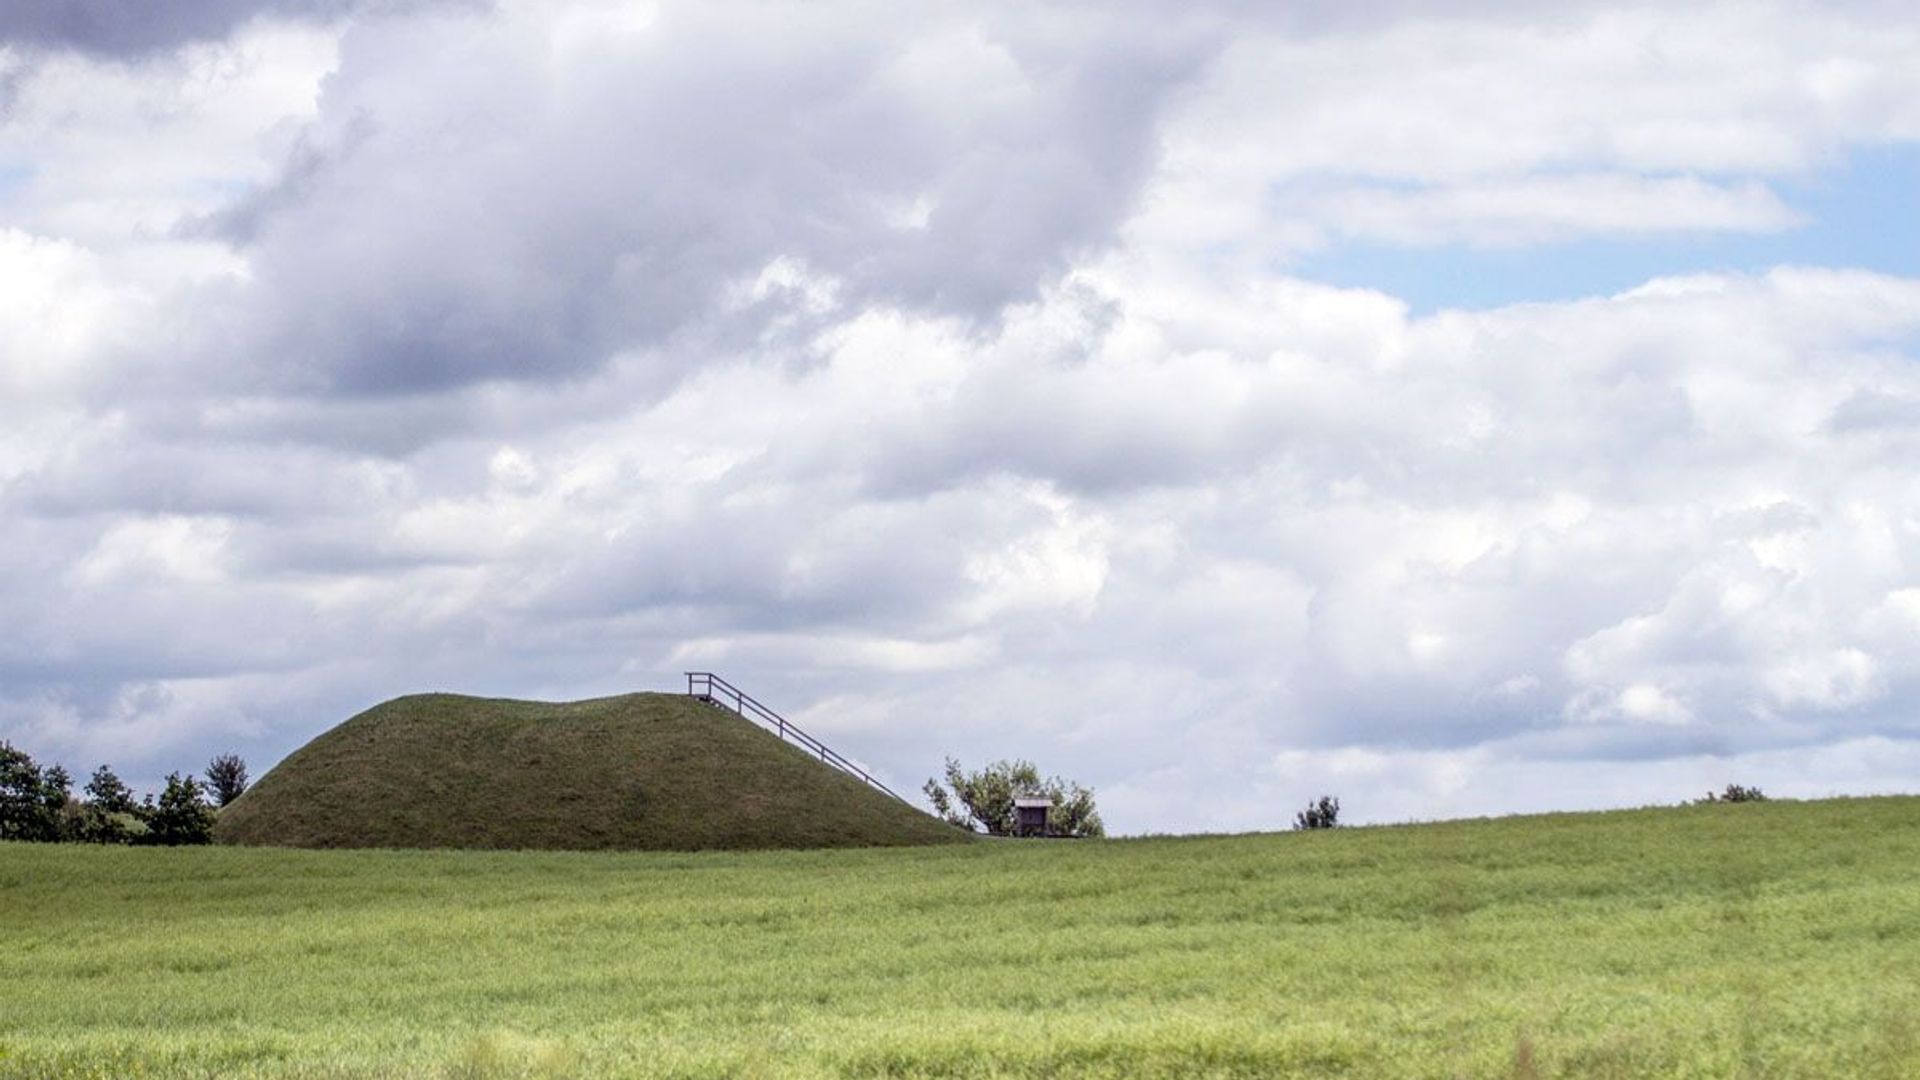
[(639, 771)]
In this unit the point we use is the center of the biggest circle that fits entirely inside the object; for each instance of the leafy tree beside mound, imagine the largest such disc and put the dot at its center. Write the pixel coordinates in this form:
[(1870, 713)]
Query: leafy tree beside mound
[(182, 816), (986, 799), (226, 778)]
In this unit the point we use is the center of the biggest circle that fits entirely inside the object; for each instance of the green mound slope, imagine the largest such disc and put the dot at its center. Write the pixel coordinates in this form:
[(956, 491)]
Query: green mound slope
[(640, 771)]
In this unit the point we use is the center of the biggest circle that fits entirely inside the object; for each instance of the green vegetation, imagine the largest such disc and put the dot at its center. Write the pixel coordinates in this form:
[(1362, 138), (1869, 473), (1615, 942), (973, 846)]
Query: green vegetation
[(639, 771), (37, 805), (1772, 939), (1322, 813), (986, 800), (31, 797), (1735, 793), (182, 815), (226, 778), (108, 814)]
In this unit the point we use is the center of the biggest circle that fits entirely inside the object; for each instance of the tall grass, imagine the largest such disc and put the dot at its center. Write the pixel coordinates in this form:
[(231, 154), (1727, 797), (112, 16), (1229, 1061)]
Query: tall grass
[(1764, 940)]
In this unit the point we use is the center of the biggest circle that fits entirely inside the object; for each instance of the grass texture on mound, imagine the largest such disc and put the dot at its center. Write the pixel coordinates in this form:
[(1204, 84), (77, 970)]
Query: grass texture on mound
[(1775, 940), (639, 771)]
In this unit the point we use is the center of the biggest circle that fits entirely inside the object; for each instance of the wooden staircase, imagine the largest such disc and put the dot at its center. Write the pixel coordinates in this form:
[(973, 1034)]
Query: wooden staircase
[(714, 690)]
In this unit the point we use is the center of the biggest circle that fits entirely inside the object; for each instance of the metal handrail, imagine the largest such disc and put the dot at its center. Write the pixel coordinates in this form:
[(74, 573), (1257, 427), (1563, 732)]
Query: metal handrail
[(706, 686)]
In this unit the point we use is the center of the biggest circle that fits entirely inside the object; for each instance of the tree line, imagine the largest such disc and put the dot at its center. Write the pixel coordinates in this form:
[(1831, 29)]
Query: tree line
[(39, 804)]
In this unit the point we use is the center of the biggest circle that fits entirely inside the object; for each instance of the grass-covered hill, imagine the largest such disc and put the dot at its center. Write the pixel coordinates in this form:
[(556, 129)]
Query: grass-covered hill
[(639, 771)]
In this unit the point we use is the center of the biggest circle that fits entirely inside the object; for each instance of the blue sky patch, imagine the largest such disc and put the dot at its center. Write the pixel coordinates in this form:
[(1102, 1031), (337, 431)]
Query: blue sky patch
[(1862, 215)]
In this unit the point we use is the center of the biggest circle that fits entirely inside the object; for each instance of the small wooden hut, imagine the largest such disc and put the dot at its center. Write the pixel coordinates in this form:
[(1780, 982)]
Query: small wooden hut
[(1030, 815)]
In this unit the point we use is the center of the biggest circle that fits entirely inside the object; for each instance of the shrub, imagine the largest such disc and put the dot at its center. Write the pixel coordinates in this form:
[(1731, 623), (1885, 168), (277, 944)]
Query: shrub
[(986, 799), (1072, 812), (1734, 793), (88, 823), (1323, 813), (226, 778)]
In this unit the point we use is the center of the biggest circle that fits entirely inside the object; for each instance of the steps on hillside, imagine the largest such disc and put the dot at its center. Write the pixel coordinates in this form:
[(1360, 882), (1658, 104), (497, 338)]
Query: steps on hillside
[(716, 691)]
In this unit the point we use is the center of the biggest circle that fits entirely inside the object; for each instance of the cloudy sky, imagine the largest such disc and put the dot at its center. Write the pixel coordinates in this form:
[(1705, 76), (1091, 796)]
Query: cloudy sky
[(1450, 407)]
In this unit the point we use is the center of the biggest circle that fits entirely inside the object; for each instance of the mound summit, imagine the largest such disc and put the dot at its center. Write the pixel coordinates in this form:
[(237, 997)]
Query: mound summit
[(638, 771)]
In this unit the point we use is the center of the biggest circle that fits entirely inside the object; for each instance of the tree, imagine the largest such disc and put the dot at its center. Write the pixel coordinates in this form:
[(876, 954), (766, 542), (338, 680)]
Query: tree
[(182, 815), (109, 815), (56, 792), (985, 799), (106, 793), (226, 778), (1072, 813), (1735, 793), (31, 798), (1323, 813)]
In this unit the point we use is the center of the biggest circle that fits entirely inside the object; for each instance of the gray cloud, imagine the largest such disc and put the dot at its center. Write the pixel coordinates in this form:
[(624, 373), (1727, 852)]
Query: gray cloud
[(455, 228), (132, 30)]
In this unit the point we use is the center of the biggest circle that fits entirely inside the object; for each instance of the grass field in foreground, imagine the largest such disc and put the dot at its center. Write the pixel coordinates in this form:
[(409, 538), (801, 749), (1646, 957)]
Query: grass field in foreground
[(1770, 940)]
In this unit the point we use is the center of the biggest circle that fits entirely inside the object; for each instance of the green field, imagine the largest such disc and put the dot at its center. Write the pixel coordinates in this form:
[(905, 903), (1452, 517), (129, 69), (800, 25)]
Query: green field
[(1765, 940)]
